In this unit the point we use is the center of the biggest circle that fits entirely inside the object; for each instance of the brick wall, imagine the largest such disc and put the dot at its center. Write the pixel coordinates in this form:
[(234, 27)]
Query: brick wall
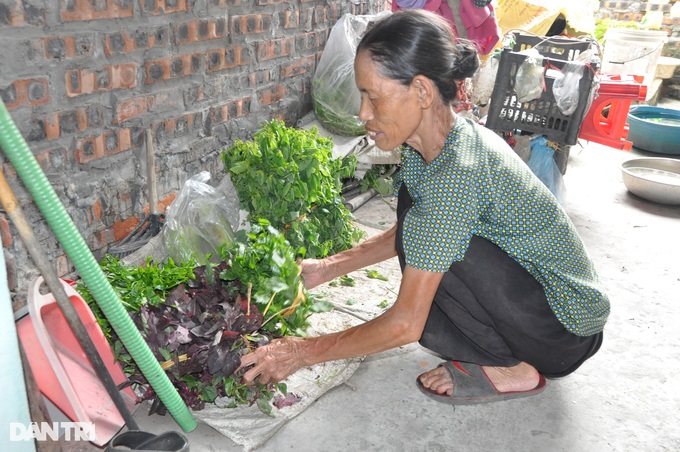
[(85, 79)]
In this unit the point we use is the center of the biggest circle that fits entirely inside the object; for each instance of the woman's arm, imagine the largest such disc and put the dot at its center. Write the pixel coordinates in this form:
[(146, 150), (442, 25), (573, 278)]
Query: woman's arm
[(373, 250), (402, 324)]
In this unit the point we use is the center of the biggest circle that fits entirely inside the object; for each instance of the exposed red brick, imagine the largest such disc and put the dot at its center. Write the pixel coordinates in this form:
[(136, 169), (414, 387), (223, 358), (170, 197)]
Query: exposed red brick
[(289, 19), (122, 42), (122, 229), (227, 58), (52, 131), (84, 81), (200, 30), (171, 68), (57, 47), (30, 91), (109, 143), (271, 95), (302, 66), (230, 110), (97, 210), (259, 78), (161, 7), (251, 23), (164, 203), (131, 108), (274, 48), (78, 10)]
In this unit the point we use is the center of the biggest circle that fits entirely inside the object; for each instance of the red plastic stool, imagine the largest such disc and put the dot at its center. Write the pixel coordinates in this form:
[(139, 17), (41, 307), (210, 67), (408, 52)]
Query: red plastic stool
[(615, 94)]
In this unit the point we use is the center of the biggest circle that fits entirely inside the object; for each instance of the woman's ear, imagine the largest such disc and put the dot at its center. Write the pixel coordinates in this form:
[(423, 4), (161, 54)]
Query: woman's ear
[(425, 90)]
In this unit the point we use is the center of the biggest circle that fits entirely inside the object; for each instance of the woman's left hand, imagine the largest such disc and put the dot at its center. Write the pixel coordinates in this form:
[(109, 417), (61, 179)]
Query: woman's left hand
[(275, 361)]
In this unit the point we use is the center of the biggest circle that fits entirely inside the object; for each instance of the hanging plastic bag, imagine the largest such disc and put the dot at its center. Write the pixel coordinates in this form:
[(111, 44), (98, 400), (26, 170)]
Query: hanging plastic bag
[(529, 79), (566, 87), (200, 220), (542, 164), (484, 81), (335, 96)]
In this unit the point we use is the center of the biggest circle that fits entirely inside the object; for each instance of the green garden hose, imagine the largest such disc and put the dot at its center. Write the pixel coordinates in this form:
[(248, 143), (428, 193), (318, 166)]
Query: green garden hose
[(64, 229)]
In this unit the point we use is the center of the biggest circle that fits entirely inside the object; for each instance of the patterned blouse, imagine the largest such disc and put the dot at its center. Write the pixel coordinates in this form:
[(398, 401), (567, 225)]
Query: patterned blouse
[(478, 186)]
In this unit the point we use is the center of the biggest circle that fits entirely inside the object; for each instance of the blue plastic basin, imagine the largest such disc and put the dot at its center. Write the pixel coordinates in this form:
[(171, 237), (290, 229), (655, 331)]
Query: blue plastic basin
[(655, 129)]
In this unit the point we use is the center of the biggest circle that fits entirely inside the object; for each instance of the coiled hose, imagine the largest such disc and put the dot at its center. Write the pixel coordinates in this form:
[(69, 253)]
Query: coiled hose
[(64, 229)]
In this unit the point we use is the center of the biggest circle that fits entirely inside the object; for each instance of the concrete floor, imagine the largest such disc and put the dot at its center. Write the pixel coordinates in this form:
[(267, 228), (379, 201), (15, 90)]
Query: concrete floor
[(624, 398)]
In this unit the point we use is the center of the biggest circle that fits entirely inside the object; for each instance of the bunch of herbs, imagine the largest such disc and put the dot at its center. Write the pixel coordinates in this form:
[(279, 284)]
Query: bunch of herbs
[(289, 177), (199, 328)]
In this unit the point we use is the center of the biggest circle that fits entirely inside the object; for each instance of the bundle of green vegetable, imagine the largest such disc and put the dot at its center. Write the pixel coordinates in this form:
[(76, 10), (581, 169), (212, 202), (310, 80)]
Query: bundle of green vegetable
[(199, 321), (289, 177), (334, 110)]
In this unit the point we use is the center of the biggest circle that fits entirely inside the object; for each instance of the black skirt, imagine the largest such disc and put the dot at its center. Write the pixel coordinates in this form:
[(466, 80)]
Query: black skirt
[(490, 311)]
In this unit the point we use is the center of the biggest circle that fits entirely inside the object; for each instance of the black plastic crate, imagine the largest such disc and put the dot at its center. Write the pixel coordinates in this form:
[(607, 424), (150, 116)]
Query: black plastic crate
[(540, 115)]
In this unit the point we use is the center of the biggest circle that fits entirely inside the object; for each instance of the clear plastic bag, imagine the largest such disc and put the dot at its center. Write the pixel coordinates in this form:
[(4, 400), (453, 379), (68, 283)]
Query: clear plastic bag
[(542, 164), (484, 80), (566, 87), (200, 220), (335, 96), (529, 79)]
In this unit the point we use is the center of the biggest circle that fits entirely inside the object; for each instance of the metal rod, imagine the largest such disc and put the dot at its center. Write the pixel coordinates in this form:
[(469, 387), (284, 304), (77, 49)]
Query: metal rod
[(11, 205)]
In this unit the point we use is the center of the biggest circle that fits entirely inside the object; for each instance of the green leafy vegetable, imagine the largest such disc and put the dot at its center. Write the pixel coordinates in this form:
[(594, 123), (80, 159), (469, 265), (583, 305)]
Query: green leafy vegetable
[(289, 177), (264, 260), (332, 109), (199, 329), (345, 280), (374, 274)]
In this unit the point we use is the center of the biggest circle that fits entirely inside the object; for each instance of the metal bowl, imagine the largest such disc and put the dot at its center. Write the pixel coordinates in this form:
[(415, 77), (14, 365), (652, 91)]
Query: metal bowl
[(655, 179)]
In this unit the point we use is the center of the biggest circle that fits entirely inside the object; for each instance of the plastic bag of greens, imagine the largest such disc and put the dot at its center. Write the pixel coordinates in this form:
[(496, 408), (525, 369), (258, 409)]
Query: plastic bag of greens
[(200, 220), (529, 79), (335, 96)]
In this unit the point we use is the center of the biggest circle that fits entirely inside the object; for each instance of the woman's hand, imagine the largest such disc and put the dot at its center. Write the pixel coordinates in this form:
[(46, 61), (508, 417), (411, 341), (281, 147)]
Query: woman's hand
[(275, 361), (313, 272)]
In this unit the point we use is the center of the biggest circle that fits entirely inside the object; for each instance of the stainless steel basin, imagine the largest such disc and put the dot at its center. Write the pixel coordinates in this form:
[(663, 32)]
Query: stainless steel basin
[(654, 179)]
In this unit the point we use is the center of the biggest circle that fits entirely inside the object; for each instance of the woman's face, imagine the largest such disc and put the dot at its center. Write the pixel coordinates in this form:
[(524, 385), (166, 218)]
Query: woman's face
[(390, 109)]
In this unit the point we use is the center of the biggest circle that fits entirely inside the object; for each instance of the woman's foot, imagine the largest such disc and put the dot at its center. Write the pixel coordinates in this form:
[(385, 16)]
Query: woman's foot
[(522, 377)]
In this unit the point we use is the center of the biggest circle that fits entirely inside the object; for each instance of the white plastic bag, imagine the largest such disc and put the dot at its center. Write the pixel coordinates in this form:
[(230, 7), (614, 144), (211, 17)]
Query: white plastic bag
[(335, 96), (566, 87), (200, 220), (529, 79), (484, 81)]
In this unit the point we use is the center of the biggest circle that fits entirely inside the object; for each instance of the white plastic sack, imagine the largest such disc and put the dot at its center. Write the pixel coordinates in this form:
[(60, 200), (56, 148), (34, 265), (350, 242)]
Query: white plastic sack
[(484, 80), (566, 87), (529, 79)]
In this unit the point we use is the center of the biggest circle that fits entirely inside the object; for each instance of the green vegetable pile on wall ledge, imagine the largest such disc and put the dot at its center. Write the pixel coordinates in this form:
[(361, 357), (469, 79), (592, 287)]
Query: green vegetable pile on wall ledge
[(289, 177)]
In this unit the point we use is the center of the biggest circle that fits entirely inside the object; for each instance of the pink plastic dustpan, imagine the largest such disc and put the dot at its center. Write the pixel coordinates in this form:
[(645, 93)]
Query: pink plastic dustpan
[(61, 368)]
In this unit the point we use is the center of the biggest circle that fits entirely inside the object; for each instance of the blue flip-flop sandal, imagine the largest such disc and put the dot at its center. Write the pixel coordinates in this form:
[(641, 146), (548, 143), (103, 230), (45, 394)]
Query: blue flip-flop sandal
[(471, 386)]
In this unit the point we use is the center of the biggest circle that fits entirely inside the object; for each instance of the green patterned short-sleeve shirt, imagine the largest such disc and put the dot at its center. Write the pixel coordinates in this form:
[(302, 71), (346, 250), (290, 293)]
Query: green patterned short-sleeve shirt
[(478, 186)]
